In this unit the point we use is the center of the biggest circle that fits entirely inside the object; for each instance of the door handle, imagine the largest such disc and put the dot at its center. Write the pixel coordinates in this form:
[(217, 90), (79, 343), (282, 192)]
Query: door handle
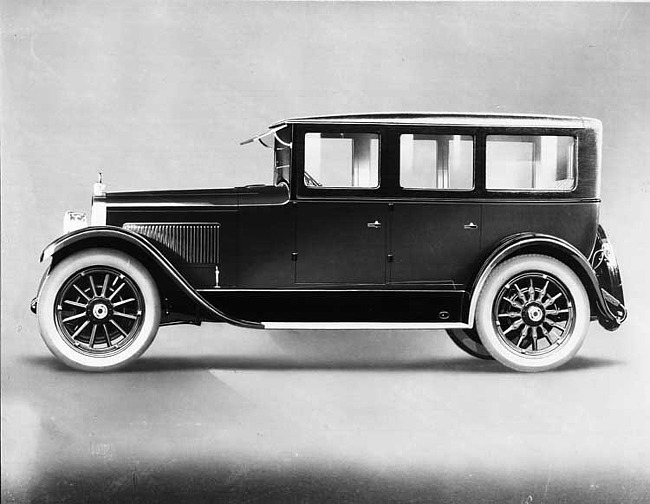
[(374, 225), (471, 225)]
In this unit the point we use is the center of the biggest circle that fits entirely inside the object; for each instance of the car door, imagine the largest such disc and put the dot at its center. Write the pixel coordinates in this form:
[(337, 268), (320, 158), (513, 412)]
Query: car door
[(434, 242), (342, 243), (435, 237), (341, 224)]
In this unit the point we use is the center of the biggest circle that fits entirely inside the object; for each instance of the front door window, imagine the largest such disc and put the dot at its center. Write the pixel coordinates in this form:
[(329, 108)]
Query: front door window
[(342, 160)]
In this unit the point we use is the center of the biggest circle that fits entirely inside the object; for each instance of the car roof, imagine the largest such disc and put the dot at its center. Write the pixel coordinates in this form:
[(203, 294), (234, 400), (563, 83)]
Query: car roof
[(448, 119)]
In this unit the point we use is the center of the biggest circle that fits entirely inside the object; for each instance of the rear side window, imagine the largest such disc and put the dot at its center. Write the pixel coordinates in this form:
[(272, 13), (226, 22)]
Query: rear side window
[(436, 161), (342, 160), (530, 163)]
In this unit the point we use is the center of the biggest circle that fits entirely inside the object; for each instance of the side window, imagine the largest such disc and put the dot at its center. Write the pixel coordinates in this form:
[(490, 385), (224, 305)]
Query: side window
[(436, 161), (530, 163), (342, 160)]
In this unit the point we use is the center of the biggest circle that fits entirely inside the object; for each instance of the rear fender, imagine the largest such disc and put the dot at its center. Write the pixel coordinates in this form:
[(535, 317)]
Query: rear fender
[(610, 313), (128, 241)]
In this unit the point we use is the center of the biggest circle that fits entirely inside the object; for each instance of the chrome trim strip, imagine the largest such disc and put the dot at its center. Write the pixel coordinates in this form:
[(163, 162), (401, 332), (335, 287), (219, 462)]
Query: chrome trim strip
[(225, 290), (170, 204), (175, 223), (456, 122), (419, 200), (365, 325), (192, 205), (446, 119)]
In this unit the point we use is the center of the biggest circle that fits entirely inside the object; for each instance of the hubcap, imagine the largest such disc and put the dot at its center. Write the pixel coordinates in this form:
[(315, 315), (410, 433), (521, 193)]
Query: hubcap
[(533, 314), (99, 311)]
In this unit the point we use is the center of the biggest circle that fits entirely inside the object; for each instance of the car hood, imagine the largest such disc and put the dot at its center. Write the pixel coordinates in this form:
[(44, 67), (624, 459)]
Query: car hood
[(229, 197)]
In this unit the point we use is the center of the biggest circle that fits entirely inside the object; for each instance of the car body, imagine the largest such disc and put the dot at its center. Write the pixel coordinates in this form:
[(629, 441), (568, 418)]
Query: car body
[(374, 221)]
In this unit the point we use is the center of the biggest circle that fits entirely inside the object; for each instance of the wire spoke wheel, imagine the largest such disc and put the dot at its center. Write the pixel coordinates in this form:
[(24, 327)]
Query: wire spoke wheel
[(533, 313), (99, 311)]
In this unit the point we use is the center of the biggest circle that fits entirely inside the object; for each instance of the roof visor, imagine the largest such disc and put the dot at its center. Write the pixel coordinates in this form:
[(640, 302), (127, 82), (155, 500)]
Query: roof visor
[(272, 131)]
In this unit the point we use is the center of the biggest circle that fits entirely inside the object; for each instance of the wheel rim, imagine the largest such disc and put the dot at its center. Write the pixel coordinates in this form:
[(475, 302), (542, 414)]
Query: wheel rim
[(99, 311), (534, 314)]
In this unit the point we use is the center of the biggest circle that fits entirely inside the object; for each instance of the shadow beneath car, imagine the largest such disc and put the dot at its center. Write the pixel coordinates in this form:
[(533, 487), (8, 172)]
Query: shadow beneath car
[(444, 364)]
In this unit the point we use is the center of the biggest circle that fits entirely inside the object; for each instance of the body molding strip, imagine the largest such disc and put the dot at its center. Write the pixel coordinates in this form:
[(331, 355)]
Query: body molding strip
[(365, 325)]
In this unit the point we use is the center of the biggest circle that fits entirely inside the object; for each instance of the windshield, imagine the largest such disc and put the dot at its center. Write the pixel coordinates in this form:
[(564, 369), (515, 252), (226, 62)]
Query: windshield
[(282, 154), (278, 139)]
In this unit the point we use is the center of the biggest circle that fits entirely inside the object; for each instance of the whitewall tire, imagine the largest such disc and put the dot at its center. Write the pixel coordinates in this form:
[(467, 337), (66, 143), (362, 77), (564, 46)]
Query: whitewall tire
[(98, 310), (533, 313)]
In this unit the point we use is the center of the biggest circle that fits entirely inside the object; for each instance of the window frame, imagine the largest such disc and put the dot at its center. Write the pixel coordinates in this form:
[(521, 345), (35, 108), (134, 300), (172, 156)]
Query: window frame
[(438, 194), (434, 132), (586, 158), (298, 156), (321, 187), (525, 132)]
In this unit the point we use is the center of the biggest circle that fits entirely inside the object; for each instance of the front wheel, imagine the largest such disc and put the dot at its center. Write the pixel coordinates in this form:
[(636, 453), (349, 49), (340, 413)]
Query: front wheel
[(533, 313), (99, 310)]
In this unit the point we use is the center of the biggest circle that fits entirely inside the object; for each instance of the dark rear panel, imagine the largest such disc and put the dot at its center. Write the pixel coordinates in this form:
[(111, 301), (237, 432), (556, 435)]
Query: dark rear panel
[(576, 223), (571, 216)]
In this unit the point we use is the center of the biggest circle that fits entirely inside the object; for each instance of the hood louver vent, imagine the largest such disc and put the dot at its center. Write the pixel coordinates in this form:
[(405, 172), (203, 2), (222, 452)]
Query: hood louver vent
[(195, 243)]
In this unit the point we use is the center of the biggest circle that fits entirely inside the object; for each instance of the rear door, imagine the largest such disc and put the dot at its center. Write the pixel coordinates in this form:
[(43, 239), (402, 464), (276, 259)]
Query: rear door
[(435, 242), (435, 236)]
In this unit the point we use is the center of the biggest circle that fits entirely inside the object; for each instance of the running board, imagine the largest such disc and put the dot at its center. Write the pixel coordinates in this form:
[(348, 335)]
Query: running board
[(365, 325)]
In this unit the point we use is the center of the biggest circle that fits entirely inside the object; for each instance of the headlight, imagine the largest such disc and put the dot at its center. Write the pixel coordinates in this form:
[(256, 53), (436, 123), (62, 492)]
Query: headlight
[(73, 221)]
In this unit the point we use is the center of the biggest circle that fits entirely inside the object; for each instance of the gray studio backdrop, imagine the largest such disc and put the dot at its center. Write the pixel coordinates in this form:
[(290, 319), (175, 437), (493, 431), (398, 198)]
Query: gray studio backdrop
[(158, 94)]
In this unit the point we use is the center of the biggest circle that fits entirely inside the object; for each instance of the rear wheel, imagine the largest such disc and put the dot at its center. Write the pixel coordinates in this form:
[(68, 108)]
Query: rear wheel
[(469, 342), (533, 313), (99, 309)]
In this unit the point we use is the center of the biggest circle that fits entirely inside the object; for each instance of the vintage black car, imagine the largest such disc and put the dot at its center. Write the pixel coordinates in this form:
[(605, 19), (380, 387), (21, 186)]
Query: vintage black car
[(484, 225)]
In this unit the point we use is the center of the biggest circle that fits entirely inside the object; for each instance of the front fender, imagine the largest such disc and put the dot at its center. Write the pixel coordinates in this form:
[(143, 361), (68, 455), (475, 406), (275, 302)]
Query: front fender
[(609, 318), (116, 236)]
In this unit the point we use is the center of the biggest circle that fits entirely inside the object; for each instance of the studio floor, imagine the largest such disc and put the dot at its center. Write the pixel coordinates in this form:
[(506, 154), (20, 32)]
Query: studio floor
[(221, 414)]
